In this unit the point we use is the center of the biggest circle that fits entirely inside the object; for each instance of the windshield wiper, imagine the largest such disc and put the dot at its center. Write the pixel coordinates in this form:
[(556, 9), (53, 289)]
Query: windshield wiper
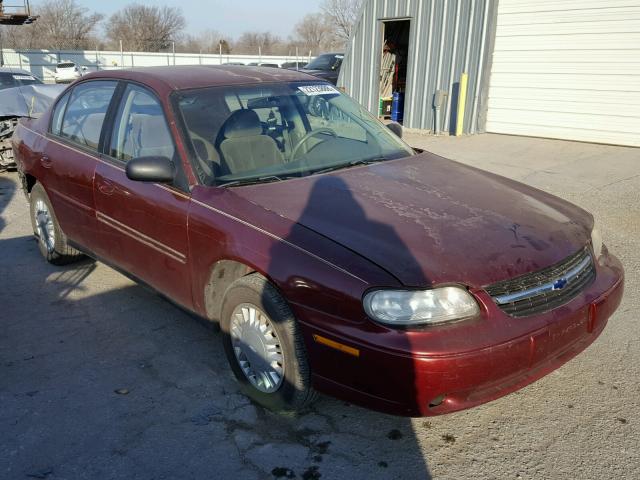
[(251, 181), (352, 163)]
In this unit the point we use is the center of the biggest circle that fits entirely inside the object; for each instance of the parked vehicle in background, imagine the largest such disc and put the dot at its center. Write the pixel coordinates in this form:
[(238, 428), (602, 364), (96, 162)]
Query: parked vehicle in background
[(258, 64), (294, 65), (21, 95), (325, 66), (333, 256), (67, 72), (234, 63), (14, 77)]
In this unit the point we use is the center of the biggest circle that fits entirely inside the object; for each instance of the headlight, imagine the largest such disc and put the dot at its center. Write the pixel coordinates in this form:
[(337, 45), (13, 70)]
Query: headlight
[(596, 242), (406, 307)]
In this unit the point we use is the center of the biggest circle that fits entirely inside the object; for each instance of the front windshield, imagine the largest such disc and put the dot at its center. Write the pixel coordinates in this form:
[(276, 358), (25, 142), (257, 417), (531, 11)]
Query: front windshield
[(272, 132), (328, 61)]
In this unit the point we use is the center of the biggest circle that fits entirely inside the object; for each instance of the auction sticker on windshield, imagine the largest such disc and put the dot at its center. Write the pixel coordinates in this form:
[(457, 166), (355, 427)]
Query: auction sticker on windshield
[(312, 90)]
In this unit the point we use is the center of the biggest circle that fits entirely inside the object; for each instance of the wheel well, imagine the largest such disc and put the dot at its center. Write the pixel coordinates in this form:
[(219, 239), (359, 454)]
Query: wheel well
[(28, 181), (223, 274)]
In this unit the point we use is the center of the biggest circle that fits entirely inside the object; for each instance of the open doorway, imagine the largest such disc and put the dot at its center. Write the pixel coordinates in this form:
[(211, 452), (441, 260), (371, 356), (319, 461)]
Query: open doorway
[(393, 68)]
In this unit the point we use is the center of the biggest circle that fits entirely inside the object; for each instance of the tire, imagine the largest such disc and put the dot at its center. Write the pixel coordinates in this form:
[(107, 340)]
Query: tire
[(294, 391), (52, 241)]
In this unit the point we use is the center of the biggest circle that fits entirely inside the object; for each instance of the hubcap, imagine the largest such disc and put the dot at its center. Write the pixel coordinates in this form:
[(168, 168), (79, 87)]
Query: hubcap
[(257, 348), (44, 225)]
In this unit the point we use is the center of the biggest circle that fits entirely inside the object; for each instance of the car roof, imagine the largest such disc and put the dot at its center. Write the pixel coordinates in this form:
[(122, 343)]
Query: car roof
[(199, 76)]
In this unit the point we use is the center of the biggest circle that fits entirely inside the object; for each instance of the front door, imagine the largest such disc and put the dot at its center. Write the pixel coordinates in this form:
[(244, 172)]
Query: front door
[(143, 226)]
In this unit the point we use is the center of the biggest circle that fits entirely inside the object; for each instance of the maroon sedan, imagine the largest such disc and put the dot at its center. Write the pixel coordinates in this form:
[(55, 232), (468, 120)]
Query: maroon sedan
[(334, 257)]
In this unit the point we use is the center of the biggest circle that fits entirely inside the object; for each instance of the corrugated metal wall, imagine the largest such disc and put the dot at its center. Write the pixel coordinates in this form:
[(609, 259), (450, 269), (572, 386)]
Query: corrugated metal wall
[(568, 69), (447, 37)]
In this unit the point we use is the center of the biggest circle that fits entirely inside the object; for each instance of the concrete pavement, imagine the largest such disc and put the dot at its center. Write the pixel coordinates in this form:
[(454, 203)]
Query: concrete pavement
[(102, 379)]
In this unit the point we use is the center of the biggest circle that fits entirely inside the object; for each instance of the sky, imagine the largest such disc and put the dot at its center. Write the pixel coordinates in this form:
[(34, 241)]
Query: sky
[(231, 17)]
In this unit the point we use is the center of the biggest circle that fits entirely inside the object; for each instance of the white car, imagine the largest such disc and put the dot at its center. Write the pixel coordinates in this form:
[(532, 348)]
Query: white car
[(67, 72)]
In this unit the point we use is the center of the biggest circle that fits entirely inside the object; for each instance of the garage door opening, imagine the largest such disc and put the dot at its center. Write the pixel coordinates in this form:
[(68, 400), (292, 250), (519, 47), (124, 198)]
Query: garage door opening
[(393, 68)]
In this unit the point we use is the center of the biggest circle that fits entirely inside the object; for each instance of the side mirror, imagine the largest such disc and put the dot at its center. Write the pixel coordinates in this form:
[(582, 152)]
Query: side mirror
[(151, 169), (84, 69), (395, 128)]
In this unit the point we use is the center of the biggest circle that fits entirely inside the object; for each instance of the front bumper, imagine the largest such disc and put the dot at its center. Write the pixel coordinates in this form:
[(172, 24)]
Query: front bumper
[(418, 382)]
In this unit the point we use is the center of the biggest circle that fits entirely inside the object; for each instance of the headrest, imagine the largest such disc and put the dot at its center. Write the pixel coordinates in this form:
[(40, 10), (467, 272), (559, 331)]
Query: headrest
[(242, 123)]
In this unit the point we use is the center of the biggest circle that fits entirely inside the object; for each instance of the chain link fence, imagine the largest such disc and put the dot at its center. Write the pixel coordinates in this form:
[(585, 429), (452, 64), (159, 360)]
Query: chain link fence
[(16, 52)]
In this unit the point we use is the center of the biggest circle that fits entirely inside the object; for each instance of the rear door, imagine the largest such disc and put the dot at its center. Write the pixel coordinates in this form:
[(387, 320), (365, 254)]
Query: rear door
[(70, 155), (143, 226)]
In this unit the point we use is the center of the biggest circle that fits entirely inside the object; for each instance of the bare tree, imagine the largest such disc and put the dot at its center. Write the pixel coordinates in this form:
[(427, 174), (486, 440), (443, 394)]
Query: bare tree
[(265, 42), (62, 24), (209, 41), (342, 15), (144, 28), (312, 32)]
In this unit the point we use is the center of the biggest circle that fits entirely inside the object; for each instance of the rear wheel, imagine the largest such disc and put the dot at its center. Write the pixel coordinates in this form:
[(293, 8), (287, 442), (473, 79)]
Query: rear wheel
[(51, 240), (264, 346)]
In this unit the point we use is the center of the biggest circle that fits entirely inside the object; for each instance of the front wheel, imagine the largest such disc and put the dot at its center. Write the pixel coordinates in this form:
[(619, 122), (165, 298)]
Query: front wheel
[(51, 240), (264, 346)]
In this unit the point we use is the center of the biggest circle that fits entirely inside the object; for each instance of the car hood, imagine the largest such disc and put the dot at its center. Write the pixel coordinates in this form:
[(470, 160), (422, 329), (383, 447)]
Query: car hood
[(428, 220)]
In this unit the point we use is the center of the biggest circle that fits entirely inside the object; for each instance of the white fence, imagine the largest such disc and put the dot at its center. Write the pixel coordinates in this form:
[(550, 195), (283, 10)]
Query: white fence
[(42, 63)]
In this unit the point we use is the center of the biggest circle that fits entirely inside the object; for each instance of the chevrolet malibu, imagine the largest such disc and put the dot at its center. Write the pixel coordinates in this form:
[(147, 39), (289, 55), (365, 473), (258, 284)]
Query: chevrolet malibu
[(333, 256)]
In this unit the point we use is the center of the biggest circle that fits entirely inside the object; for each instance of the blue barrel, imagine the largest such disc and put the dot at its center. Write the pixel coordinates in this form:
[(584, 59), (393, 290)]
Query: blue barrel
[(397, 107)]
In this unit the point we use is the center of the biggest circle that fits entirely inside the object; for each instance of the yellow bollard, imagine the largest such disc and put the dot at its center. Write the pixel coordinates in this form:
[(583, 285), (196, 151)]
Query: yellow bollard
[(462, 99)]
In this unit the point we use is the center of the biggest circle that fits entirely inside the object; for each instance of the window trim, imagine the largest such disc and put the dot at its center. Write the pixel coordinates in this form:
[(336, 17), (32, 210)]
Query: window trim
[(181, 127)]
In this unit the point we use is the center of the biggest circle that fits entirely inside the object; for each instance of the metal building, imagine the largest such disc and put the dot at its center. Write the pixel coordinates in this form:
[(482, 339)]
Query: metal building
[(433, 42), (567, 69)]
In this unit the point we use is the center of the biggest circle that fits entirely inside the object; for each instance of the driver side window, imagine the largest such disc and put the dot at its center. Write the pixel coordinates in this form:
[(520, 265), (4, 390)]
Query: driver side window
[(140, 128)]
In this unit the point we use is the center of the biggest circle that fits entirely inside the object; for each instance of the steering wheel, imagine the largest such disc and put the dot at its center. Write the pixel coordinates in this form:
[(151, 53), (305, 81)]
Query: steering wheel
[(308, 136)]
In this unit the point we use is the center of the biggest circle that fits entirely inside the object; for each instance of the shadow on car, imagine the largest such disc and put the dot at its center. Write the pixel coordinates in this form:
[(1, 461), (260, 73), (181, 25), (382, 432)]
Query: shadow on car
[(354, 423)]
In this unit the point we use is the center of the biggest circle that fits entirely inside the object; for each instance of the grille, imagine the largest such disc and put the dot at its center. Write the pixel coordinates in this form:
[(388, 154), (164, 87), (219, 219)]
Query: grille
[(546, 289)]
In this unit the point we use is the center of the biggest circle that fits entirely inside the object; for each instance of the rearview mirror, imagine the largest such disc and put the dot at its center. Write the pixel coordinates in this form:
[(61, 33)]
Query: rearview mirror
[(151, 169), (395, 128)]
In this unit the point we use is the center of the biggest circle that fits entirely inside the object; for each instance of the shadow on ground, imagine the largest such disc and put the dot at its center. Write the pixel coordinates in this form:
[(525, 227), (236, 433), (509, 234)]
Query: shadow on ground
[(100, 378), (7, 190)]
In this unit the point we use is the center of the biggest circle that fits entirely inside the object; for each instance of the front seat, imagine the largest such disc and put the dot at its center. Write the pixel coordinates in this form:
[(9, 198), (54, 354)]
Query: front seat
[(149, 137), (244, 148)]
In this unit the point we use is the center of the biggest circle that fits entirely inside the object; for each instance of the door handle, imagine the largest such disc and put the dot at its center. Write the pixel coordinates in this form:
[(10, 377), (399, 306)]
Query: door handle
[(45, 161), (106, 188)]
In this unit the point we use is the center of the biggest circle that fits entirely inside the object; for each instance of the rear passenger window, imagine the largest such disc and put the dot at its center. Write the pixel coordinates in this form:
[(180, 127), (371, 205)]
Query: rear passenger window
[(140, 128), (58, 112), (86, 111)]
